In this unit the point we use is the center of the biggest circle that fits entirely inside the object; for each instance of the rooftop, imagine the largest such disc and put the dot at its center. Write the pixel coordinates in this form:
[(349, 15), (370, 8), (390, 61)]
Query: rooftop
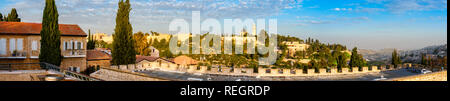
[(97, 55), (25, 28)]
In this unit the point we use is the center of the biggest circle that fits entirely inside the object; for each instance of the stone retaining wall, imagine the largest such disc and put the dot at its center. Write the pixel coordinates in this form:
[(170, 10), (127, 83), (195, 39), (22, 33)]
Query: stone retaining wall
[(261, 71), (119, 75)]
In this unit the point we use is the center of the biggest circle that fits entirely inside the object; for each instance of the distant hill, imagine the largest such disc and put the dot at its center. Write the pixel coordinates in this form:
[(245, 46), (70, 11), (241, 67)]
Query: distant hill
[(384, 55)]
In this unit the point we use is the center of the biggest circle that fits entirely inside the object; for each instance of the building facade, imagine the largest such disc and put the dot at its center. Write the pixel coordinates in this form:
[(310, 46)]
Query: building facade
[(295, 46), (98, 58), (20, 43)]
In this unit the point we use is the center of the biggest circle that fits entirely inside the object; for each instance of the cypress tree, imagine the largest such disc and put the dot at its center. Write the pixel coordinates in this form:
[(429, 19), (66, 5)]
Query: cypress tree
[(13, 16), (340, 62), (395, 58), (123, 45), (50, 35), (91, 42), (423, 60), (1, 17), (355, 59)]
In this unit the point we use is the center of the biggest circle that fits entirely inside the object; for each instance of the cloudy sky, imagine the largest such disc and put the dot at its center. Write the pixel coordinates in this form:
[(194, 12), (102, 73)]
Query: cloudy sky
[(367, 24)]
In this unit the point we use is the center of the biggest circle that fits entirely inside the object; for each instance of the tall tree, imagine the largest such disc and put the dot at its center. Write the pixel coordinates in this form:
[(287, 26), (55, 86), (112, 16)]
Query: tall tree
[(141, 43), (13, 16), (50, 35), (341, 61), (355, 60), (1, 17), (123, 45), (423, 60), (91, 41), (395, 58)]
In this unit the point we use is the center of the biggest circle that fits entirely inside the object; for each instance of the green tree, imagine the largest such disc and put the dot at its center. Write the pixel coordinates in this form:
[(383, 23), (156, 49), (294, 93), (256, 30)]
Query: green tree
[(91, 42), (13, 16), (123, 45), (356, 60), (50, 35), (341, 62), (423, 60), (1, 17), (395, 58), (141, 44)]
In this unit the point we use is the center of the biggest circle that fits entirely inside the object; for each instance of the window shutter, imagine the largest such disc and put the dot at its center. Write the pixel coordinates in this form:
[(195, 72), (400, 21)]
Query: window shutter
[(34, 45), (3, 46), (64, 45), (76, 45), (12, 45), (71, 44), (82, 46), (20, 44)]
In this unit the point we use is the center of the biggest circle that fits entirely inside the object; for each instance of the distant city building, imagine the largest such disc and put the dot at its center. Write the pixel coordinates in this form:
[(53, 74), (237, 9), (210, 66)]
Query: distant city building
[(104, 37), (154, 52), (20, 43), (159, 37), (295, 46)]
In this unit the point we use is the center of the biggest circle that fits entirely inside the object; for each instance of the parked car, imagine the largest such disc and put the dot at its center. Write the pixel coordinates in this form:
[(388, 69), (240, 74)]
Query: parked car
[(425, 71)]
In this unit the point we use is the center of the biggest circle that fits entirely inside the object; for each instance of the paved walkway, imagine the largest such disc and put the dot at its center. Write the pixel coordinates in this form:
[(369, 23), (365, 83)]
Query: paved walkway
[(342, 77)]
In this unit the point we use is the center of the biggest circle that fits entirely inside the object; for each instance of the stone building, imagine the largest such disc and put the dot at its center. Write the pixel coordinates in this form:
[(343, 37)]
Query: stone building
[(98, 58), (295, 46), (20, 43), (151, 61)]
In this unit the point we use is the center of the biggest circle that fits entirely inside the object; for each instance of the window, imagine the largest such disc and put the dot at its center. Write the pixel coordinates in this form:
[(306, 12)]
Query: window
[(3, 46), (12, 45), (65, 45), (75, 46), (81, 45), (70, 44), (34, 45), (78, 45), (20, 44), (74, 69)]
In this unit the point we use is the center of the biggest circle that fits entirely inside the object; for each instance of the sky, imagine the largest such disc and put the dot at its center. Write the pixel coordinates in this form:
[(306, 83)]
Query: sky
[(366, 24)]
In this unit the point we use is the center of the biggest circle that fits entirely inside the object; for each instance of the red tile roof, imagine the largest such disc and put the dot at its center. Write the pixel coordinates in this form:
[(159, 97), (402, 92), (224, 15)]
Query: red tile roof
[(35, 29), (185, 60), (140, 58), (93, 55)]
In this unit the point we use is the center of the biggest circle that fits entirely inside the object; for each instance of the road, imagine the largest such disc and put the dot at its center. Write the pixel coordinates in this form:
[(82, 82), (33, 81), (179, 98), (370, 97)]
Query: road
[(342, 77)]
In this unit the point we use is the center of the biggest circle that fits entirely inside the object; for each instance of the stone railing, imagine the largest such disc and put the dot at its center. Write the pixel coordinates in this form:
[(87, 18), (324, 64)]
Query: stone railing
[(251, 72)]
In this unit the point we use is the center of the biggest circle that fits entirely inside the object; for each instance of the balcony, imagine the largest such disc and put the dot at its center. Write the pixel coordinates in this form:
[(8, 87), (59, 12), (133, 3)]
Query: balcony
[(15, 55), (73, 53)]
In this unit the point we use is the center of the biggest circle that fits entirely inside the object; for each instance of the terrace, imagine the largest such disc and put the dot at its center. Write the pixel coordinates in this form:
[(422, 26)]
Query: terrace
[(39, 72)]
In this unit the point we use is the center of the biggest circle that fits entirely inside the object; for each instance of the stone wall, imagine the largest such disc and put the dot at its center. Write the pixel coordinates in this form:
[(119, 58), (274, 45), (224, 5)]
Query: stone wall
[(119, 75), (250, 72), (436, 76), (23, 75)]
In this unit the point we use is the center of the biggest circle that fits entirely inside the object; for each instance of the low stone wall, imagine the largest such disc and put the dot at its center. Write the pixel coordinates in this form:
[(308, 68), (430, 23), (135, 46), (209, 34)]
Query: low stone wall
[(24, 75), (119, 75), (436, 76), (261, 71)]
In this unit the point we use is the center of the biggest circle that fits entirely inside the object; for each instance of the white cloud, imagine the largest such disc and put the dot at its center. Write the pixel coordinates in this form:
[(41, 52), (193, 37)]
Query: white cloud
[(146, 15)]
